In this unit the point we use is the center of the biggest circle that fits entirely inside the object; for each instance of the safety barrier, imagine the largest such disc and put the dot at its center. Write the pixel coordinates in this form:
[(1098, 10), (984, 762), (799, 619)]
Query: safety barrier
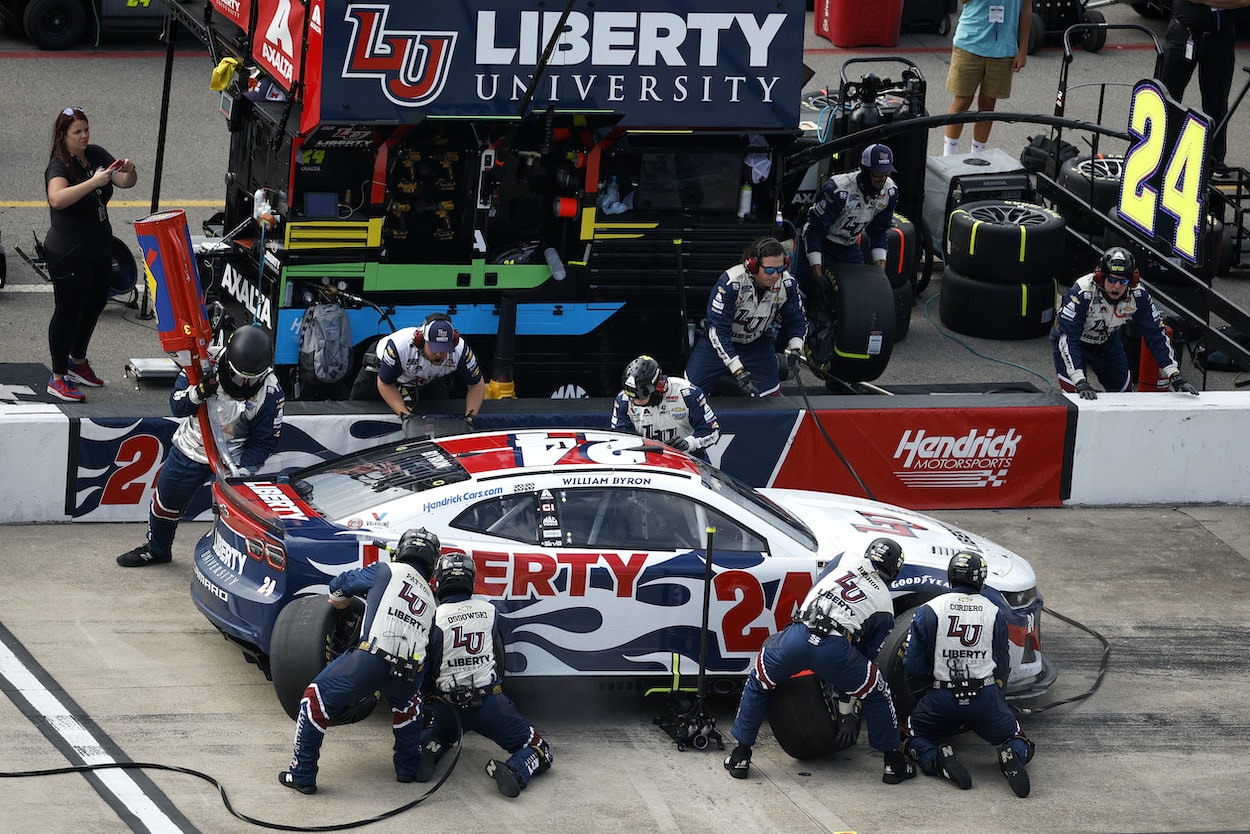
[(920, 451)]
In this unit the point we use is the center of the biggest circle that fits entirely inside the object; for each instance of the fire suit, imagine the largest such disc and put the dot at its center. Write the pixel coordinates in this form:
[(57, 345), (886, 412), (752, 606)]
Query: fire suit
[(682, 413), (846, 207)]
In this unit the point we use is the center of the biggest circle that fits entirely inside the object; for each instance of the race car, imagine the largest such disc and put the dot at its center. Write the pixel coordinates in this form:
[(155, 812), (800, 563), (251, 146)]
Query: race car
[(591, 545)]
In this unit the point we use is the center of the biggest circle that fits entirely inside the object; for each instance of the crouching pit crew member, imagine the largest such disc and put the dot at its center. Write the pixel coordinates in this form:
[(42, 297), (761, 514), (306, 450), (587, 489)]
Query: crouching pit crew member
[(958, 649), (1086, 335), (664, 408), (246, 401), (416, 363), (465, 669), (849, 204), (837, 632), (399, 612), (748, 300)]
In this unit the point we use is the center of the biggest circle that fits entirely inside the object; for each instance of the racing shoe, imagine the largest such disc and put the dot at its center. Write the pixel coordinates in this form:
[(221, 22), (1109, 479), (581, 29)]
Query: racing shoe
[(897, 768), (140, 557), (505, 777), (949, 767), (1014, 770), (287, 779), (65, 389), (738, 763), (430, 754), (81, 373)]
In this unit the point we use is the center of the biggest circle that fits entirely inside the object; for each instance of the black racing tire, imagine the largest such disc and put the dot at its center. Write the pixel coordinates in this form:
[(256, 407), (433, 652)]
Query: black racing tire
[(1037, 34), (1005, 241), (308, 634), (55, 24), (900, 258), (802, 713), (904, 300), (1093, 39), (1223, 265), (926, 253), (890, 662), (863, 327), (1095, 180), (944, 25), (996, 311), (125, 271)]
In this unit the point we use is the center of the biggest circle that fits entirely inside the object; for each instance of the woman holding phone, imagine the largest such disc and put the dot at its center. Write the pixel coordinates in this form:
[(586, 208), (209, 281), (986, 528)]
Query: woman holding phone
[(80, 178)]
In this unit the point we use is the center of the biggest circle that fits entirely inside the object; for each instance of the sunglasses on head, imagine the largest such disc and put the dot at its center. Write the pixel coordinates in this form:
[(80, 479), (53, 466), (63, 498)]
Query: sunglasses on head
[(1116, 279), (70, 111), (772, 270)]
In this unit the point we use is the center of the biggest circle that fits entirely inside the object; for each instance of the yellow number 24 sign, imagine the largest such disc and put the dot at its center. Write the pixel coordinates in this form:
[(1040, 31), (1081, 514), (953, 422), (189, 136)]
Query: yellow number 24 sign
[(1162, 190)]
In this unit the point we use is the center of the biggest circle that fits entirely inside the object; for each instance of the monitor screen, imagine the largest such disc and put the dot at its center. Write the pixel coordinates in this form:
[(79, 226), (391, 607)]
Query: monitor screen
[(321, 204), (689, 181)]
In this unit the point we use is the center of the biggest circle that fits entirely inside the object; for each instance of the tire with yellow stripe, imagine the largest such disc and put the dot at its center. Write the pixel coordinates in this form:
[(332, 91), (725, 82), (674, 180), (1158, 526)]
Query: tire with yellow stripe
[(1005, 242), (1024, 310)]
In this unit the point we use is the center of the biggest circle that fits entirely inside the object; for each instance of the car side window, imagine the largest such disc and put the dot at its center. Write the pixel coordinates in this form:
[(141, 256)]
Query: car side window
[(510, 517), (732, 537)]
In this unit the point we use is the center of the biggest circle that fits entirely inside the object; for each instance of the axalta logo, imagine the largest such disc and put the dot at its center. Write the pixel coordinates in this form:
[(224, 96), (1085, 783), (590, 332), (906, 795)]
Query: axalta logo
[(275, 499), (247, 294), (979, 458), (412, 66)]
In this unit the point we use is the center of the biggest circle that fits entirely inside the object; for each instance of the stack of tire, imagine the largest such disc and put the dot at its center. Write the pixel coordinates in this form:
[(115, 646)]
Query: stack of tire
[(1002, 260), (900, 267)]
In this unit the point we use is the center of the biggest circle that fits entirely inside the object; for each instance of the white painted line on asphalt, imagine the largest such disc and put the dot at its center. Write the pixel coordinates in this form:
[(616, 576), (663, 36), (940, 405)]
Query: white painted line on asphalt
[(27, 288), (88, 749)]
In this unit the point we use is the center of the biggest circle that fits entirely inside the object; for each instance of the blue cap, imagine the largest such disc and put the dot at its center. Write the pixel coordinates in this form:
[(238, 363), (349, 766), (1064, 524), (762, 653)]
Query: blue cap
[(878, 159), (440, 336)]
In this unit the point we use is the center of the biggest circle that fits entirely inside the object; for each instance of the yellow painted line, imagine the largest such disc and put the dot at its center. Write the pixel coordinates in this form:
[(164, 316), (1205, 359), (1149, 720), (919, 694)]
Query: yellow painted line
[(119, 203)]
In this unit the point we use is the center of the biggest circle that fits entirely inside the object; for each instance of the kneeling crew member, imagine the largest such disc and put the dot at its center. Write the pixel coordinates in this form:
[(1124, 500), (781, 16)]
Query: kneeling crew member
[(664, 408)]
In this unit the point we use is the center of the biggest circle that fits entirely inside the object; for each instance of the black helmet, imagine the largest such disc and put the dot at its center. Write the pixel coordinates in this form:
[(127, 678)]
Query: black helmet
[(967, 568), (454, 573), (817, 615), (886, 556), (248, 360), (1117, 261), (642, 378), (419, 547)]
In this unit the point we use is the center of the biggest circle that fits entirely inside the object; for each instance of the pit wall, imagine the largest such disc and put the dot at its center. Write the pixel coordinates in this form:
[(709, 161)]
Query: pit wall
[(923, 451)]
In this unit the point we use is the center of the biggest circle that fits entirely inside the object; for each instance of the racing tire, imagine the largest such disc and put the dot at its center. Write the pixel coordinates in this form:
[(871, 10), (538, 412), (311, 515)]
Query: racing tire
[(803, 715), (926, 252), (852, 332), (904, 300), (1037, 34), (1005, 241), (55, 24), (308, 634), (996, 311), (1095, 180), (125, 272), (890, 662), (1093, 39), (901, 246), (944, 25)]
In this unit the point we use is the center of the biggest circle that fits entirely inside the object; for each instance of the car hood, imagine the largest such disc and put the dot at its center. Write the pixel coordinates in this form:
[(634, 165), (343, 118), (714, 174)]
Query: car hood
[(842, 523)]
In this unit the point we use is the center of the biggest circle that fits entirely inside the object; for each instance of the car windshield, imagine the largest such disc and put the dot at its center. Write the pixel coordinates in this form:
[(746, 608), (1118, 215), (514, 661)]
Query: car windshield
[(351, 485), (756, 504)]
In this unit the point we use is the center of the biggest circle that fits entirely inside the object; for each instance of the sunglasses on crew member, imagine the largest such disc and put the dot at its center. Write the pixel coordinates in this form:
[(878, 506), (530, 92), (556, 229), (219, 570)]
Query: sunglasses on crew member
[(69, 111), (1116, 279), (772, 270)]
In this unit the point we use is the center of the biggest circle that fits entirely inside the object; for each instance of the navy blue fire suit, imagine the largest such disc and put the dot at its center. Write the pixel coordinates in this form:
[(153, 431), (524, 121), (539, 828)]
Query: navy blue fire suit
[(846, 206), (959, 642)]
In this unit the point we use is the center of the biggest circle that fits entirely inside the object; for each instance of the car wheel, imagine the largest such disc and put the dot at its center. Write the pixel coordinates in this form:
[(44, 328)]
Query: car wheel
[(803, 717), (308, 634), (996, 311), (900, 257), (1094, 180), (890, 662), (1005, 242), (55, 24), (854, 339), (1093, 39), (904, 300)]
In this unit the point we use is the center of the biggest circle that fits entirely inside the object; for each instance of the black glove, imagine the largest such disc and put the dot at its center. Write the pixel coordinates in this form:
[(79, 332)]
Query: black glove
[(205, 388), (681, 444), (470, 419), (412, 429), (1176, 382), (1086, 390), (743, 377), (848, 727)]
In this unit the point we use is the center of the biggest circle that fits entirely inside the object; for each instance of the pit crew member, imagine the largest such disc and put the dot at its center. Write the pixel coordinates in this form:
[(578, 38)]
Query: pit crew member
[(664, 408), (399, 613), (959, 651), (850, 204), (838, 631)]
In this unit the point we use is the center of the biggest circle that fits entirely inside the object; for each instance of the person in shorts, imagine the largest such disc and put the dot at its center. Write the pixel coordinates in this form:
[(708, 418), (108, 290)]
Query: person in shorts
[(991, 42)]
